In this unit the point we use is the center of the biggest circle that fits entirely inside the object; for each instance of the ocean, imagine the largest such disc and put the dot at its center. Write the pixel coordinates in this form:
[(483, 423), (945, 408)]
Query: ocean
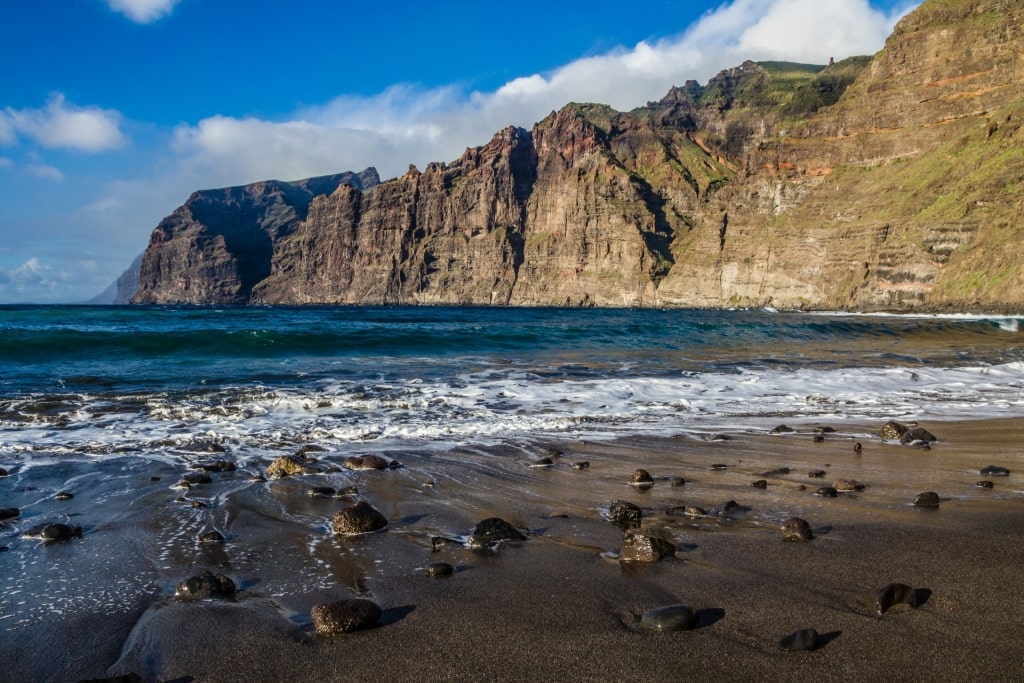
[(105, 411), (87, 382)]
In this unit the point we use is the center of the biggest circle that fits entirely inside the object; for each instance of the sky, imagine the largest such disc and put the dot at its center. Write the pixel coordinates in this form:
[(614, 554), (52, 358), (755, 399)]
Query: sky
[(113, 111)]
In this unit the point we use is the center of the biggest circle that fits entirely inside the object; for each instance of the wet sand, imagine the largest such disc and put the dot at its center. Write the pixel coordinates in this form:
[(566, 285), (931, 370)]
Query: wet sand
[(557, 606)]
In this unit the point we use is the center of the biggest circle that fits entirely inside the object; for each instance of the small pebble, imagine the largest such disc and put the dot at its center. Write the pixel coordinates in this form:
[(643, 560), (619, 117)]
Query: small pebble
[(985, 484), (816, 474), (542, 462), (9, 513), (321, 492), (826, 492), (718, 467), (154, 478), (994, 471), (781, 429), (582, 465), (760, 484), (928, 499), (694, 511), (818, 438), (857, 448), (64, 495), (677, 482)]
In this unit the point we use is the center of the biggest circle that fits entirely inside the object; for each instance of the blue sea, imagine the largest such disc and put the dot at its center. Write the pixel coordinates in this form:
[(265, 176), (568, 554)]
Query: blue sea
[(106, 412), (94, 381)]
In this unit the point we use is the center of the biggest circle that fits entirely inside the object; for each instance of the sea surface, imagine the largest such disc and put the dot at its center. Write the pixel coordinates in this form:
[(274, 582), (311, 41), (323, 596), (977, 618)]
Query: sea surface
[(89, 382), (104, 412)]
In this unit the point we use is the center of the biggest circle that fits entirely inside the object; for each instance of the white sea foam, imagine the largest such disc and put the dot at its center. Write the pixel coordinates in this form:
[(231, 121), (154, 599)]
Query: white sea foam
[(493, 405)]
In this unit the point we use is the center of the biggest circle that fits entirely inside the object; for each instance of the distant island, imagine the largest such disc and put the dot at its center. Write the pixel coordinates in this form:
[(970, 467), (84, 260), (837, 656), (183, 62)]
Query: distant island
[(891, 182)]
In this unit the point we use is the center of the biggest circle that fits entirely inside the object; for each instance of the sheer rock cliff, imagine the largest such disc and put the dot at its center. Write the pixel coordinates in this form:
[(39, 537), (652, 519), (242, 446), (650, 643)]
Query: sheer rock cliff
[(887, 182)]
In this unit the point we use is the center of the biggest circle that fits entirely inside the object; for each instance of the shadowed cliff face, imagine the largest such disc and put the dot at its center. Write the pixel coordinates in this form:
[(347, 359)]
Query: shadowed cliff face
[(889, 182)]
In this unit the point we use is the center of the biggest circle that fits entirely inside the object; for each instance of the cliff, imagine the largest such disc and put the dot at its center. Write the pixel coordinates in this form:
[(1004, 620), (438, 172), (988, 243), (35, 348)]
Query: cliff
[(885, 182)]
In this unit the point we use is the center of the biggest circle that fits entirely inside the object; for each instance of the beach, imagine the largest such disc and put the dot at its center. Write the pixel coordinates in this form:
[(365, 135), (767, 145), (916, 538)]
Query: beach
[(560, 605)]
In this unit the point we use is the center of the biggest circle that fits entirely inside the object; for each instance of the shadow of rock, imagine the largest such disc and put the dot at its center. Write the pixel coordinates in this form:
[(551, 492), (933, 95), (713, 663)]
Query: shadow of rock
[(393, 615)]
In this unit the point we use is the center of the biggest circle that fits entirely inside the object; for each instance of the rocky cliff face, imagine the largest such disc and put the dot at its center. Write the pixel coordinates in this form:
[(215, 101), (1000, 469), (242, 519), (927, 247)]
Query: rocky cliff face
[(889, 182), (217, 246)]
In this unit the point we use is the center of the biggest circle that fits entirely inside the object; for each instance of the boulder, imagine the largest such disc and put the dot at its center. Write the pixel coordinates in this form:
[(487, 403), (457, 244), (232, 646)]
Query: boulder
[(286, 466), (670, 618), (344, 616), (360, 518), (645, 546), (803, 640), (892, 431), (888, 596), (54, 531), (205, 585), (917, 435), (641, 479), (493, 530), (9, 513), (624, 515)]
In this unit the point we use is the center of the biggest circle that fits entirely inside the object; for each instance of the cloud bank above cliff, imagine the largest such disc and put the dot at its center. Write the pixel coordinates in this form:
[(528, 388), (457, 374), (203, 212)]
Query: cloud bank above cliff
[(84, 178), (405, 124)]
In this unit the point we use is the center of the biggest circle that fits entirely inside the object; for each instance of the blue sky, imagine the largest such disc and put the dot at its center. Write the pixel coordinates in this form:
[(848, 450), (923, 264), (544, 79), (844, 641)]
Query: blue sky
[(113, 111)]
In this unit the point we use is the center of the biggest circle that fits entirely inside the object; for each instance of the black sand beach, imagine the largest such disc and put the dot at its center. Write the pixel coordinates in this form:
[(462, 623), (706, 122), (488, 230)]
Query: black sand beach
[(557, 606)]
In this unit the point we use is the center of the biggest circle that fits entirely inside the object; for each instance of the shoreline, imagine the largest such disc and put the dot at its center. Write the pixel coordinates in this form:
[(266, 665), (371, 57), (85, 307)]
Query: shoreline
[(555, 607)]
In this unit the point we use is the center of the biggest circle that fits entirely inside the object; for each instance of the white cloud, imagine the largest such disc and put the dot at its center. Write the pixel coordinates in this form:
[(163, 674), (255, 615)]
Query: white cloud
[(405, 124), (31, 276), (64, 125), (44, 172), (6, 163), (143, 11)]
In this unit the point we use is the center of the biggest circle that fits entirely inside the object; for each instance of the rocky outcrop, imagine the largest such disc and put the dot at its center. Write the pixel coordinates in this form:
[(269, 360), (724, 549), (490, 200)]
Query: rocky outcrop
[(886, 182), (218, 245)]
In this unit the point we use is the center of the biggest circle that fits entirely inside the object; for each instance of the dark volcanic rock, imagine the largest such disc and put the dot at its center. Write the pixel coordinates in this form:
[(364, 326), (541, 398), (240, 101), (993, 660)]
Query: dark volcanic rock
[(676, 482), (826, 492), (360, 518), (796, 529), (641, 479), (542, 462), (816, 474), (670, 618), (437, 570), (645, 546), (781, 429), (917, 435), (994, 471), (344, 616), (219, 466), (211, 538), (63, 495), (205, 585), (54, 531), (195, 478), (9, 513), (321, 492), (727, 508), (888, 596), (985, 484), (366, 462), (928, 499), (624, 515), (286, 466), (493, 530), (3, 472), (760, 484), (800, 641), (892, 431), (581, 465)]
